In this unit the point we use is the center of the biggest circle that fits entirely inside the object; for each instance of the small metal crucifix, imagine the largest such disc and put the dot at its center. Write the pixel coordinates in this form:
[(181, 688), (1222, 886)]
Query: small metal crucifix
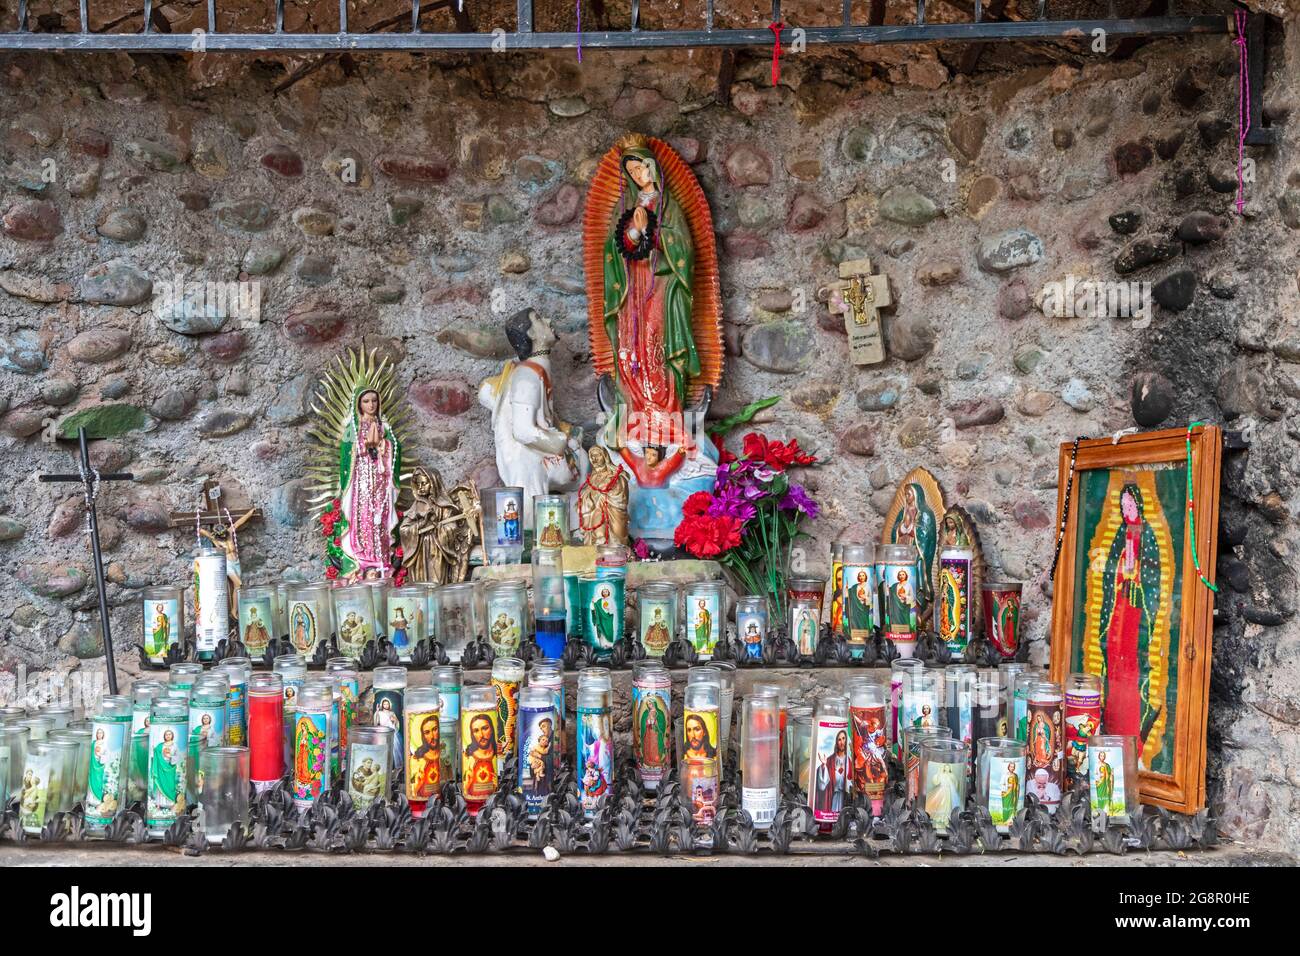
[(859, 296), (90, 479)]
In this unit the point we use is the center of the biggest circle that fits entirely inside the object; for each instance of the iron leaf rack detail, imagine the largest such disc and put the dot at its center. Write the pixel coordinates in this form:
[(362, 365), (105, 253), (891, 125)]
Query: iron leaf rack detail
[(993, 27)]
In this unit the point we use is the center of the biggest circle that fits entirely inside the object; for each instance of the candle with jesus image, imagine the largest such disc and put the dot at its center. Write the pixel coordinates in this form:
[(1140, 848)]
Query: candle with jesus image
[(829, 761)]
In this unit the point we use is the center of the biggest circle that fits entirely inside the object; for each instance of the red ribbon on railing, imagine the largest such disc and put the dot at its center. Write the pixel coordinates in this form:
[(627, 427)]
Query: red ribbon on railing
[(776, 27)]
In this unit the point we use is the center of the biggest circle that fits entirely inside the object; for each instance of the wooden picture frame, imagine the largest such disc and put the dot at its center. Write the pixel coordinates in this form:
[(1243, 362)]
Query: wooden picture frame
[(1127, 524)]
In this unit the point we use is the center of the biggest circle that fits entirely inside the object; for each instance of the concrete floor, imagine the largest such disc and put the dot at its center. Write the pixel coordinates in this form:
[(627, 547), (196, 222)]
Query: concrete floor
[(805, 855)]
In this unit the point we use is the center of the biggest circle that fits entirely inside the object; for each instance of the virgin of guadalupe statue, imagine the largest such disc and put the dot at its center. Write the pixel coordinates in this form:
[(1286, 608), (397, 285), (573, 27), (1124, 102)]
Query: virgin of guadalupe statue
[(1131, 596), (654, 317), (356, 466)]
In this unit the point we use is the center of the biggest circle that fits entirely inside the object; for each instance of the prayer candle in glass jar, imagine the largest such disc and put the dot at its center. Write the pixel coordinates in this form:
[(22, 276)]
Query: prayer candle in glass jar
[(110, 761), (423, 773), (222, 791), (168, 764), (1082, 720), (539, 731), (751, 625), (657, 615), (1112, 779), (1000, 779), (370, 754), (828, 760), (163, 612), (760, 759), (311, 742), (480, 739), (266, 726), (652, 721), (405, 622), (548, 601), (506, 605), (704, 608), (898, 573), (945, 779)]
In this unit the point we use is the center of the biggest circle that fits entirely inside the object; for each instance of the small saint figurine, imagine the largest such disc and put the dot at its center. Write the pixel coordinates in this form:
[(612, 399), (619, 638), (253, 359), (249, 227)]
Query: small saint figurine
[(602, 501), (534, 449), (439, 529)]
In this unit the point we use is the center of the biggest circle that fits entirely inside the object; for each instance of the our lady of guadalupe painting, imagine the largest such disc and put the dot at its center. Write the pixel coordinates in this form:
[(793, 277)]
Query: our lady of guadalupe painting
[(913, 519), (655, 321), (1129, 604)]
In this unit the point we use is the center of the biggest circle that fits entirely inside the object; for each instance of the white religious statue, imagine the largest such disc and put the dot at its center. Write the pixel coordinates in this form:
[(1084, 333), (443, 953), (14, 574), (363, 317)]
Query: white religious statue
[(535, 450)]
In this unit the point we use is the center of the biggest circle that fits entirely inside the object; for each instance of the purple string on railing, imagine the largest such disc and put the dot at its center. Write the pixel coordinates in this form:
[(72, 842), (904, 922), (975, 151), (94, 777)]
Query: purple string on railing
[(1243, 104), (579, 31)]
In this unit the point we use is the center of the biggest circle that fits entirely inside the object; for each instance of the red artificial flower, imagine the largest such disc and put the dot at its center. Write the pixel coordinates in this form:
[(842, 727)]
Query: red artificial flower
[(724, 457), (331, 572), (776, 455), (335, 504), (398, 552), (336, 542), (697, 504), (707, 537)]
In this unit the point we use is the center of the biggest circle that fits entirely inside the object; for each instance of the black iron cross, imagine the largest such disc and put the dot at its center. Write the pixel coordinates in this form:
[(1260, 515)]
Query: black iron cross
[(90, 479)]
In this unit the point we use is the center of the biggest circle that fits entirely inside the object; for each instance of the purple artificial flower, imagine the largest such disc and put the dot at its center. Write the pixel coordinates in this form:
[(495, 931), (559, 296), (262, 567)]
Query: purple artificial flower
[(796, 499), (729, 501)]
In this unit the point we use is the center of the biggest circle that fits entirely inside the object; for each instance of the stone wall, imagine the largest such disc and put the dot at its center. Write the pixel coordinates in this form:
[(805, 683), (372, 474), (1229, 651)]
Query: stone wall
[(971, 192)]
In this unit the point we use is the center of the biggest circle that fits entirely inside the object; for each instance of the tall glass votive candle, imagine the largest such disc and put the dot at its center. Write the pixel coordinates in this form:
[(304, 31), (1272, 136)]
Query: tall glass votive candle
[(539, 723), (922, 692), (760, 759), (657, 616), (354, 615), (293, 674), (1045, 742), (503, 523), (828, 766), (13, 757), (389, 693), (550, 521), (751, 625), (603, 606), (183, 675), (652, 721), (458, 617), (507, 678), (480, 748), (432, 615), (238, 670), (311, 742), (447, 678), (162, 611), (1015, 710), (423, 777), (701, 716), (704, 609), (1000, 779), (953, 614), (777, 689), (945, 776), (370, 754), (548, 601), (222, 791), (595, 753), (266, 725), (1082, 720), (257, 618), (799, 742), (1112, 779), (109, 771), (310, 618), (343, 670), (899, 676), (726, 698), (405, 624), (870, 773), (858, 595), (898, 573), (207, 726), (804, 624), (959, 701), (39, 790), (143, 693), (506, 604), (168, 764), (1001, 601), (989, 700), (913, 739), (77, 772)]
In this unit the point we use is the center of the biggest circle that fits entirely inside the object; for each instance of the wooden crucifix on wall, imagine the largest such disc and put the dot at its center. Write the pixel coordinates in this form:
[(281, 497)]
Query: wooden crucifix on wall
[(859, 296)]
